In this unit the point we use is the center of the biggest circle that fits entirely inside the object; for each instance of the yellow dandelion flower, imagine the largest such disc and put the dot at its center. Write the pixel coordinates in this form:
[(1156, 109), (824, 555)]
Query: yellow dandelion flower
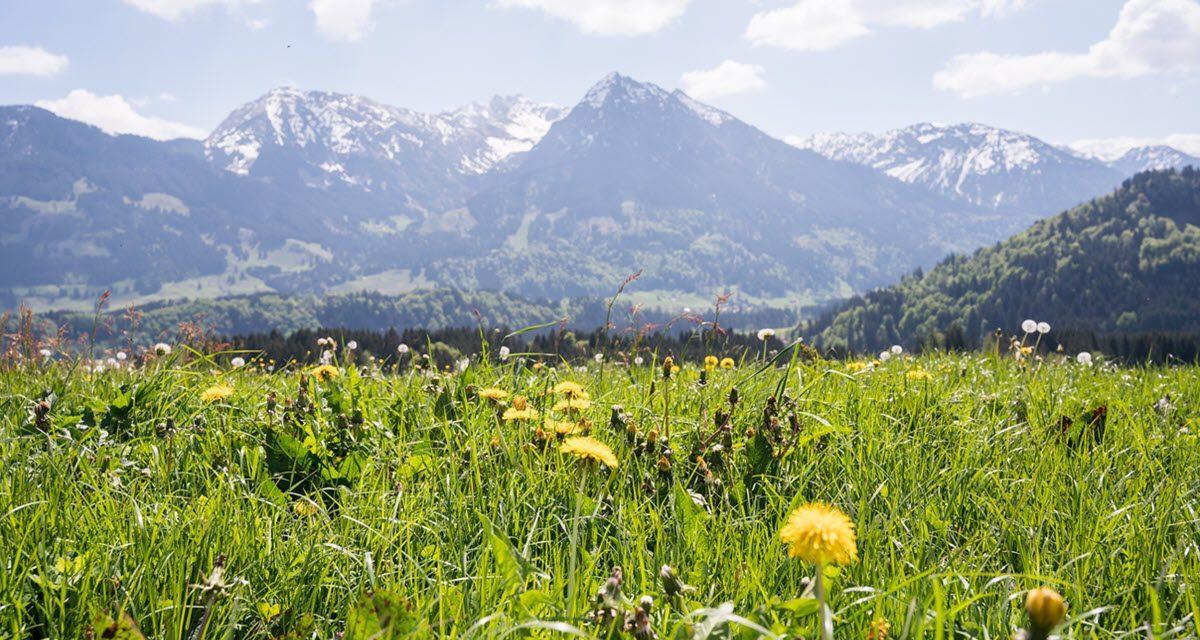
[(855, 367), (570, 389), (326, 372), (520, 410), (563, 427), (879, 629), (590, 449), (493, 394), (305, 508), (1046, 608), (710, 362), (573, 405), (727, 363), (216, 393), (918, 375), (820, 534), (513, 414)]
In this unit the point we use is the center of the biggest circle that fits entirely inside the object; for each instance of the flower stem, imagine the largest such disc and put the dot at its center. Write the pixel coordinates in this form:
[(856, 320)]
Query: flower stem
[(823, 607)]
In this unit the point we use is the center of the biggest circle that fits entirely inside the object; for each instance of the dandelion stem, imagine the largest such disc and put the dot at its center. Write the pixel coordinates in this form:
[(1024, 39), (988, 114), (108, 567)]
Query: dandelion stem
[(823, 607)]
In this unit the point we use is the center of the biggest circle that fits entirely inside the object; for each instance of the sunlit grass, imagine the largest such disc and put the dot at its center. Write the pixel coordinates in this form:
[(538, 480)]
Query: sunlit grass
[(964, 490)]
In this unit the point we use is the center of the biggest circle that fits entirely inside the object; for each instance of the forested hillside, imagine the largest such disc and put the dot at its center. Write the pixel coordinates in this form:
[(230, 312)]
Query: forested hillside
[(1127, 262)]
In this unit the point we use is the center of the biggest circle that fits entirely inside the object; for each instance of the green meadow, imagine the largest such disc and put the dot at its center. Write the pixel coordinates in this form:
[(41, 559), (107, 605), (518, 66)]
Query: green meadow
[(176, 496)]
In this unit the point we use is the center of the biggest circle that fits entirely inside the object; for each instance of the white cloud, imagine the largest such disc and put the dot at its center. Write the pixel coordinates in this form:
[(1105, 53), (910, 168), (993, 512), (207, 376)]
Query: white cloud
[(176, 9), (820, 25), (727, 78), (808, 25), (609, 17), (32, 61), (1150, 37), (114, 114), (345, 20), (1113, 148)]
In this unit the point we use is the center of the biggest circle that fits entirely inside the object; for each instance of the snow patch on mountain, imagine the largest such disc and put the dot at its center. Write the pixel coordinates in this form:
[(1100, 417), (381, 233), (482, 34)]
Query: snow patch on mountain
[(974, 162), (344, 135)]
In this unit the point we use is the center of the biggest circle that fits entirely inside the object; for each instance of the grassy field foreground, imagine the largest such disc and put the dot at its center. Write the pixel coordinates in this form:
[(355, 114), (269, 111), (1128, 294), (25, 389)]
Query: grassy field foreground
[(194, 499)]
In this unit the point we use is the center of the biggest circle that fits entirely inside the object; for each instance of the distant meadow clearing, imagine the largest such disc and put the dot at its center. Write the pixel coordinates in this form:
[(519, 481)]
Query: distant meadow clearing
[(181, 495)]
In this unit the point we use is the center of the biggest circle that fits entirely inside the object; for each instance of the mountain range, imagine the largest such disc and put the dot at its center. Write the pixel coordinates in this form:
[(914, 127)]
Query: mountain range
[(313, 192), (992, 168)]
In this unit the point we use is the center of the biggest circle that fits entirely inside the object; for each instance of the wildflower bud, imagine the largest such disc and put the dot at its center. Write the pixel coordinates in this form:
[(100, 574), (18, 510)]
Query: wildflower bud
[(652, 435), (646, 604), (879, 629), (671, 584), (667, 365), (664, 464), (1046, 611), (733, 397), (520, 403), (495, 442)]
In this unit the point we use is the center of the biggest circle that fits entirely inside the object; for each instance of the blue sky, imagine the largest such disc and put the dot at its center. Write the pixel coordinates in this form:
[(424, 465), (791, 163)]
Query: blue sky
[(1065, 70)]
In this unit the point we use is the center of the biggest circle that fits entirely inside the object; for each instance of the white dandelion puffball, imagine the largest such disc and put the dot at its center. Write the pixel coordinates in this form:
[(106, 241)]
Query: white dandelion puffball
[(884, 356), (897, 349), (238, 362), (45, 353), (1084, 358), (1043, 328), (402, 349), (322, 342), (121, 355), (352, 345), (638, 360), (1029, 326), (599, 357), (326, 357), (462, 365), (504, 351), (766, 334)]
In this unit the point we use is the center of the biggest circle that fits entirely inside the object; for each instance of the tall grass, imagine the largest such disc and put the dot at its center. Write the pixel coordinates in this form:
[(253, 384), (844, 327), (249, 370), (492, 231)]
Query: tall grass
[(320, 504)]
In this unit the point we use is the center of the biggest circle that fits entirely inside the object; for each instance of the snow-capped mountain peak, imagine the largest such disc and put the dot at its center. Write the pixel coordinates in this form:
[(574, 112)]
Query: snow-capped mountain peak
[(498, 129), (330, 138), (1152, 157), (986, 166), (615, 88)]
